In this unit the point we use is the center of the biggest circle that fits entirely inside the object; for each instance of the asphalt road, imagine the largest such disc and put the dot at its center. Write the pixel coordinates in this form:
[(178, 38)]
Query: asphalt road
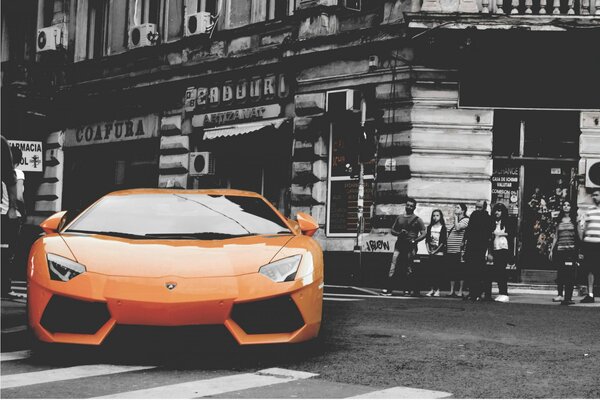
[(372, 346)]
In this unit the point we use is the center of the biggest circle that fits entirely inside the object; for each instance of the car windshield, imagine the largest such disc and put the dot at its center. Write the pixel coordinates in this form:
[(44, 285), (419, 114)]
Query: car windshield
[(185, 216)]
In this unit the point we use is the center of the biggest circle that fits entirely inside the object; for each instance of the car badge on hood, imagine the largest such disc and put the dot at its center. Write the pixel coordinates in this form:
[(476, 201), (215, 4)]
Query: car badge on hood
[(170, 285)]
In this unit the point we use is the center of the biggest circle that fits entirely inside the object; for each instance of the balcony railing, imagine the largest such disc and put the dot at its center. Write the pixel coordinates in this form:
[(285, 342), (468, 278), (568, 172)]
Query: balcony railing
[(515, 7)]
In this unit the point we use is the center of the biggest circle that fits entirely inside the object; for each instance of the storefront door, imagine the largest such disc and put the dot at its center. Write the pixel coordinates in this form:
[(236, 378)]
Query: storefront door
[(535, 162)]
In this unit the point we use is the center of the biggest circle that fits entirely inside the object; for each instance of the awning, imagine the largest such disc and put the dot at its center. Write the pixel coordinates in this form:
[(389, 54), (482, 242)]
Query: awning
[(240, 129)]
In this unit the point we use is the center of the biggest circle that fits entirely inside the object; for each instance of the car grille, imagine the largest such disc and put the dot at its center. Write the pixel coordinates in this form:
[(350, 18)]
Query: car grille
[(175, 336), (67, 315), (277, 315)]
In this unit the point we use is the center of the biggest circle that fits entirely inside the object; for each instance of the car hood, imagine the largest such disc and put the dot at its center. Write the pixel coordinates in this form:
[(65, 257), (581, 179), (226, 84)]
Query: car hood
[(185, 258)]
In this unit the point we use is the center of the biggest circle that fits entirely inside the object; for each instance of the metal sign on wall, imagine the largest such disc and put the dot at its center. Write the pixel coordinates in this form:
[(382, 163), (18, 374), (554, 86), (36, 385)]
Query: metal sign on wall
[(113, 131), (31, 161), (236, 116)]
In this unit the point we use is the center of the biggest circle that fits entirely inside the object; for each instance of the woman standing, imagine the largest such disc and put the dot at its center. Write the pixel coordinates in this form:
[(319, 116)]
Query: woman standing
[(502, 238), (454, 249), (564, 252), (435, 239)]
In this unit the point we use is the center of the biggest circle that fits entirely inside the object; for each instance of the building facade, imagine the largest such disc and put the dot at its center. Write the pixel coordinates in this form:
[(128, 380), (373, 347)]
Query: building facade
[(464, 100)]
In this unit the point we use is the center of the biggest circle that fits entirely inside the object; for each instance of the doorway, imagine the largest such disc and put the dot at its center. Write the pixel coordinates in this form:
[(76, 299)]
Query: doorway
[(535, 156)]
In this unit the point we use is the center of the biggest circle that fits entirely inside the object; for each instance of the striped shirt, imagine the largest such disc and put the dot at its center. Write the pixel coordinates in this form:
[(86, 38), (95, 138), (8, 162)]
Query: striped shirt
[(565, 236), (456, 236), (591, 229)]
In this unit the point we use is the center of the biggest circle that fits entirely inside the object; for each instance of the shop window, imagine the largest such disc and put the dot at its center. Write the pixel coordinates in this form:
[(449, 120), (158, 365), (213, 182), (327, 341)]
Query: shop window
[(342, 201)]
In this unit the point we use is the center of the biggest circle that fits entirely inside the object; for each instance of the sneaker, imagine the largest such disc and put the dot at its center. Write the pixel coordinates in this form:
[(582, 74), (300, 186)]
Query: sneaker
[(386, 292), (566, 302), (502, 298), (460, 294), (430, 293), (436, 293), (587, 299), (557, 299)]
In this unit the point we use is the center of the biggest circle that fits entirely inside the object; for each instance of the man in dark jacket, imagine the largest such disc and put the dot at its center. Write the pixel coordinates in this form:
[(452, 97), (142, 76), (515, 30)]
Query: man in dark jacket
[(477, 240)]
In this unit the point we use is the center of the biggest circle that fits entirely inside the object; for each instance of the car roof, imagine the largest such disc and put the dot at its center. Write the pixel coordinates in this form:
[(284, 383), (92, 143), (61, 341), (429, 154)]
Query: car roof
[(219, 192)]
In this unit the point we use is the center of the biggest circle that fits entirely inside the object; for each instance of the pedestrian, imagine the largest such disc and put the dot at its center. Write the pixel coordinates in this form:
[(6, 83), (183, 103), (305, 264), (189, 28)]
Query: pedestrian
[(436, 239), (455, 250), (502, 246), (8, 210), (591, 244), (409, 229), (17, 154), (564, 253), (477, 238)]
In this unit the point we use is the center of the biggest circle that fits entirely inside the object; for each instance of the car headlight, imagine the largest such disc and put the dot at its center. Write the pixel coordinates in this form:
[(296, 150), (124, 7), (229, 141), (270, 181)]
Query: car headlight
[(63, 269), (283, 270)]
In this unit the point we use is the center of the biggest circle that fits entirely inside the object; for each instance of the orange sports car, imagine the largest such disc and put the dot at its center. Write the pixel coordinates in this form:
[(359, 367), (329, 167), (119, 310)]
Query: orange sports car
[(169, 257)]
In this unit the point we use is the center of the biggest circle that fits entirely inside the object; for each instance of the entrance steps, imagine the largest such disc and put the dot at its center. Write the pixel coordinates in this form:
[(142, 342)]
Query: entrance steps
[(538, 276)]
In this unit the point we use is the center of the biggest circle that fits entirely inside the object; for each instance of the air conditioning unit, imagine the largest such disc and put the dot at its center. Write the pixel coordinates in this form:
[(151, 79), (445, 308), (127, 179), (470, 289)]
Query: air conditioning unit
[(52, 38), (197, 23), (592, 172), (343, 100), (142, 35), (202, 163)]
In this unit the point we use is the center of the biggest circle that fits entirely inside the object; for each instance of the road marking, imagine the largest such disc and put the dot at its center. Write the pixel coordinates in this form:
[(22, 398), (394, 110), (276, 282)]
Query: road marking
[(334, 299), (63, 374), (15, 355), (366, 296), (14, 329), (403, 392), (215, 386)]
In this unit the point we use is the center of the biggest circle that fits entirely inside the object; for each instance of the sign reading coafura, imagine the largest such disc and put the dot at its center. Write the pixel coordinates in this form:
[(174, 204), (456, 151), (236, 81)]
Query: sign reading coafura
[(113, 131)]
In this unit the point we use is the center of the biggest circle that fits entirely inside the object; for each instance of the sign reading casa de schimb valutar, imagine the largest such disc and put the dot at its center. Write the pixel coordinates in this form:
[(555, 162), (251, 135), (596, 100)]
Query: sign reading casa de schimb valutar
[(112, 131)]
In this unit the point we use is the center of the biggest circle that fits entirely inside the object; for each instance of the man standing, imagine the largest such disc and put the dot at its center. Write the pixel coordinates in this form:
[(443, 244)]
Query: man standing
[(409, 229), (9, 213), (591, 244), (477, 241)]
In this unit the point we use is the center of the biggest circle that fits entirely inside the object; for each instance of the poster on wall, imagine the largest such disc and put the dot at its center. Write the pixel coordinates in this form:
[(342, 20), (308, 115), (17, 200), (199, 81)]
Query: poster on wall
[(505, 188)]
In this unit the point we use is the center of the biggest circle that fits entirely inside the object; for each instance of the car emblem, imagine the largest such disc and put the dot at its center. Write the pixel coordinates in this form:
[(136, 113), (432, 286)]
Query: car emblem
[(170, 285)]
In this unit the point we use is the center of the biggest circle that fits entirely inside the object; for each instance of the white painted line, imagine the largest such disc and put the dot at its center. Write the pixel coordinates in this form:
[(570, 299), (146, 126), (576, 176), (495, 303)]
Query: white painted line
[(14, 329), (15, 355), (365, 290), (215, 386), (366, 296), (286, 373), (402, 392), (334, 299), (63, 374)]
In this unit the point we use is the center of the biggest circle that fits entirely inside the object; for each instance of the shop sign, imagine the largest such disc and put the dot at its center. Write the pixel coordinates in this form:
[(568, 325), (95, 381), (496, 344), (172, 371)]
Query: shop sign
[(112, 131), (236, 116), (505, 188), (31, 161), (252, 89)]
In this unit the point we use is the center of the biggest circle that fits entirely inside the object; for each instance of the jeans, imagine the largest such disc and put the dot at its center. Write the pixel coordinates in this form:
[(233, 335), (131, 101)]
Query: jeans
[(498, 273), (566, 273)]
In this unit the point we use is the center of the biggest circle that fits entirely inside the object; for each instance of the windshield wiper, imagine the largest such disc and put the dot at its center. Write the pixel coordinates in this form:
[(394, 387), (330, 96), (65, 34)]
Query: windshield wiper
[(195, 235), (109, 233)]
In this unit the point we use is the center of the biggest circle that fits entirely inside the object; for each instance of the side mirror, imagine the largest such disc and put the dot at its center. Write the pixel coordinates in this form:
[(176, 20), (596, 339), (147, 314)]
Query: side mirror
[(53, 223), (307, 224)]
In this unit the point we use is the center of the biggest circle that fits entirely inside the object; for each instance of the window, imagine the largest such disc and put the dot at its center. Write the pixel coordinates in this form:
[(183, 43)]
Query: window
[(342, 201), (147, 12), (243, 12), (97, 34)]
